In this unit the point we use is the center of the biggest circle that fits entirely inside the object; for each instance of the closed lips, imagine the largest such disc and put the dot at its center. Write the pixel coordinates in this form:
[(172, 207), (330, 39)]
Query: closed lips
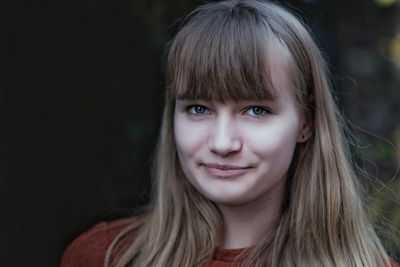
[(226, 171), (225, 167)]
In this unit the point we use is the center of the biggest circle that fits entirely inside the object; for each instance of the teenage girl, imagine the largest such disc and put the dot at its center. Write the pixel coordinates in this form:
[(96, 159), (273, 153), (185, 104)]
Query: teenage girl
[(252, 167)]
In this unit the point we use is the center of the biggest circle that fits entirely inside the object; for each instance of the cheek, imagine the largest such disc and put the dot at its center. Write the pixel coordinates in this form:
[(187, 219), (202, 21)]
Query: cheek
[(189, 137), (276, 140)]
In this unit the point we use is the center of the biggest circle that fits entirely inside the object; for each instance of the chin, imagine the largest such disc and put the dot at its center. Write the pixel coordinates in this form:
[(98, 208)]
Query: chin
[(226, 198)]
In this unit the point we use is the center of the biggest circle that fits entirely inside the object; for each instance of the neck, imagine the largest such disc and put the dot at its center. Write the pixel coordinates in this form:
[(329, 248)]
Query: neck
[(245, 225)]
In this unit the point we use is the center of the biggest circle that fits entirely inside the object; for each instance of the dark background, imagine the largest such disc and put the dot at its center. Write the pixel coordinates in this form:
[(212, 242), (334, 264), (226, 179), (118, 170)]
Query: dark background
[(82, 91)]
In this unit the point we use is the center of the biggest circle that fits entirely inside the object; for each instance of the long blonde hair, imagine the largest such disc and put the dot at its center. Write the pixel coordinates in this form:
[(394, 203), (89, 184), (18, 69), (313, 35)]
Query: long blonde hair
[(220, 53)]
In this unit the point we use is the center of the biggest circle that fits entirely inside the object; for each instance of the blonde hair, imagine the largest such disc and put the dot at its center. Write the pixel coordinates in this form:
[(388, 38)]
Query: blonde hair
[(220, 53)]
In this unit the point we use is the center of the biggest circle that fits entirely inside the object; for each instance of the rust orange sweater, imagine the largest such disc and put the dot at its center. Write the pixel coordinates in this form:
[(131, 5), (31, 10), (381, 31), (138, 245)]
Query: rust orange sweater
[(89, 249)]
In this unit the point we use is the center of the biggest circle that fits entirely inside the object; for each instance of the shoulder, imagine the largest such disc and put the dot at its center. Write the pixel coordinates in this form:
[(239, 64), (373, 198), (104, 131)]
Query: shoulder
[(89, 249)]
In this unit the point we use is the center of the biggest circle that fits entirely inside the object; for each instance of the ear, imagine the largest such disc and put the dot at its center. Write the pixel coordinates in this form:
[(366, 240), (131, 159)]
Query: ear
[(304, 131)]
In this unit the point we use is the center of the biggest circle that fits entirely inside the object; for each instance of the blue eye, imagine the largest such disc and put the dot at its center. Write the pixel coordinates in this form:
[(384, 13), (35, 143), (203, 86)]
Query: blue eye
[(257, 111), (197, 110)]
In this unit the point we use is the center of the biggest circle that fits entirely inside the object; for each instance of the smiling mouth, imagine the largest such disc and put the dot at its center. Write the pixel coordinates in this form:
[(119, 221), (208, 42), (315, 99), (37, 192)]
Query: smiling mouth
[(225, 171)]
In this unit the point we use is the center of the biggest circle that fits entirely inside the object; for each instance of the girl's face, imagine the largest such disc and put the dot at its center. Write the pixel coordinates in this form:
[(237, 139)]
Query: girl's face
[(237, 152)]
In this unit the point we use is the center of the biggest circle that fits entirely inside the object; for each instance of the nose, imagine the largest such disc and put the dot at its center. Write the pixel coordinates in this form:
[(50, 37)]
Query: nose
[(224, 140)]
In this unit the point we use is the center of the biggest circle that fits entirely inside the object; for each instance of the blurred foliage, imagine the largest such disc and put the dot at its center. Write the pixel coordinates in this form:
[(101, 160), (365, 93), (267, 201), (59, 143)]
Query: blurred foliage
[(152, 12), (395, 49), (386, 3)]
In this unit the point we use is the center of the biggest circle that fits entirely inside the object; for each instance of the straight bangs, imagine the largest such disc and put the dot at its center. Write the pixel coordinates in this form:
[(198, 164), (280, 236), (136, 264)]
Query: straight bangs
[(222, 55)]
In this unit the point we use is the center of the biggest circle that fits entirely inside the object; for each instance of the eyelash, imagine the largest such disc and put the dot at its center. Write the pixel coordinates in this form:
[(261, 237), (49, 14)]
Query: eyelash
[(191, 110), (265, 111)]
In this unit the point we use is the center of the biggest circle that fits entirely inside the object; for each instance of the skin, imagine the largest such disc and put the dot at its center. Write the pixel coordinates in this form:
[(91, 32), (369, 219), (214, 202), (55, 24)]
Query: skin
[(237, 154)]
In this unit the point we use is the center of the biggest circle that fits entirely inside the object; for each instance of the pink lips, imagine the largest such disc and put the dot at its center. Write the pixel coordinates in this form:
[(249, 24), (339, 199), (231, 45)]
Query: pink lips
[(225, 171)]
